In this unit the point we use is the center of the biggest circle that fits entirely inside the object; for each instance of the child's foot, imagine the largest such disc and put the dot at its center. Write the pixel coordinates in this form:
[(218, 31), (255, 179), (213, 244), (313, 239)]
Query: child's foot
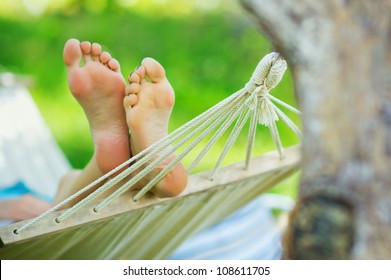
[(99, 88), (148, 105)]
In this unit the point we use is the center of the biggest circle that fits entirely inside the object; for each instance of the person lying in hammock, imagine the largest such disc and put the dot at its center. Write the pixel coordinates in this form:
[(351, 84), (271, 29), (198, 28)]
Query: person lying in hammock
[(124, 120), (143, 108)]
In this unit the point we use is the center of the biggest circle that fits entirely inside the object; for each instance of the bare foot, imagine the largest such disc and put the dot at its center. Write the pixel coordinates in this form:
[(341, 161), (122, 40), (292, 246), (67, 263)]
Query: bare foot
[(148, 105), (99, 88)]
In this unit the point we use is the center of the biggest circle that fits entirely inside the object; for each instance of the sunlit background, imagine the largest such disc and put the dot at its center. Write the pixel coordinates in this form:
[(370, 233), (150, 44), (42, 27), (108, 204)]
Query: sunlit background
[(208, 47)]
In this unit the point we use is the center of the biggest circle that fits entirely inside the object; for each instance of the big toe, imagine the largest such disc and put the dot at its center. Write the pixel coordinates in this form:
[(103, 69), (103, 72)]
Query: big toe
[(72, 52), (153, 70)]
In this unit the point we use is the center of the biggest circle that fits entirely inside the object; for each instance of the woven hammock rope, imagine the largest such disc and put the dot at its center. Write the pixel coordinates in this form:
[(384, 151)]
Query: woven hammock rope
[(253, 101)]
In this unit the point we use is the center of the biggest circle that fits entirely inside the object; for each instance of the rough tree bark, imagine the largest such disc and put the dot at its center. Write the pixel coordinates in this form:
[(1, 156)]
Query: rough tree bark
[(340, 54)]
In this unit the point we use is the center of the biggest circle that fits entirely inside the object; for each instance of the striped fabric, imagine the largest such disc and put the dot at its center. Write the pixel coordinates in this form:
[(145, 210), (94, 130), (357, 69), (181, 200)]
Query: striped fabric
[(251, 233)]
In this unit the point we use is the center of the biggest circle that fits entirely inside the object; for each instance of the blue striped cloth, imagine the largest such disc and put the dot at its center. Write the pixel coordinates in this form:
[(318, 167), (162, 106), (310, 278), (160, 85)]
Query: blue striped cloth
[(251, 233)]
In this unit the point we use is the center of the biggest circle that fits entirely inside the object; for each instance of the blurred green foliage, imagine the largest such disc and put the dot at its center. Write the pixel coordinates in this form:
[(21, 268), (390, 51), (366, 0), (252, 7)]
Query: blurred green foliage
[(209, 51)]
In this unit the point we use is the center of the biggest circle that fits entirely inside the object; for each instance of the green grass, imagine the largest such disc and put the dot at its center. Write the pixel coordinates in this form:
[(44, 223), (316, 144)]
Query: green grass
[(207, 56)]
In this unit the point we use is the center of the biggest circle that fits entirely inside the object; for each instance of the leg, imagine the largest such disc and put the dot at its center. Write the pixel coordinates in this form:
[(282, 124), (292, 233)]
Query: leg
[(148, 105), (98, 86)]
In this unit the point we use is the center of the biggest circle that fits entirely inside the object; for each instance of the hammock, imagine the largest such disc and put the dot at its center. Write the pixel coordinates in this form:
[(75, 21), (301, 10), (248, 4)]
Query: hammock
[(137, 225)]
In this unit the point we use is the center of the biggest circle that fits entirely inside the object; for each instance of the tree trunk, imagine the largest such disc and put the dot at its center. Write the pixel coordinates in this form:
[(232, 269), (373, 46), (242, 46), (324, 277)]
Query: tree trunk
[(340, 54)]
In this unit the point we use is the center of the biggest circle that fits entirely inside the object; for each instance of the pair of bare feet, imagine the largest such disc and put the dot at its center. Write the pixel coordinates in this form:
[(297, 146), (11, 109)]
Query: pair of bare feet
[(114, 109)]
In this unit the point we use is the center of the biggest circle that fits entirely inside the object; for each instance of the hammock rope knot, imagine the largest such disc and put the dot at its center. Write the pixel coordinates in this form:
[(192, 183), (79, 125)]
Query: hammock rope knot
[(267, 74)]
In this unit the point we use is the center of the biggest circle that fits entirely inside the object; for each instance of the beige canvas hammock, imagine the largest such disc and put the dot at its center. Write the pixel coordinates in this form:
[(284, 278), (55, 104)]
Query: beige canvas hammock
[(137, 225)]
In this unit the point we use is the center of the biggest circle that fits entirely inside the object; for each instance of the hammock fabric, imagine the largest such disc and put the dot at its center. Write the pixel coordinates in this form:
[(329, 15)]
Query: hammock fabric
[(150, 228), (118, 227)]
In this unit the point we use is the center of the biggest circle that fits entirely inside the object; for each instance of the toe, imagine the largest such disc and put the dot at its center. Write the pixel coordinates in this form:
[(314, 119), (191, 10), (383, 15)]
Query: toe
[(72, 53), (86, 49), (130, 100), (114, 65), (134, 78), (133, 88), (105, 57), (140, 71), (96, 50), (153, 70)]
